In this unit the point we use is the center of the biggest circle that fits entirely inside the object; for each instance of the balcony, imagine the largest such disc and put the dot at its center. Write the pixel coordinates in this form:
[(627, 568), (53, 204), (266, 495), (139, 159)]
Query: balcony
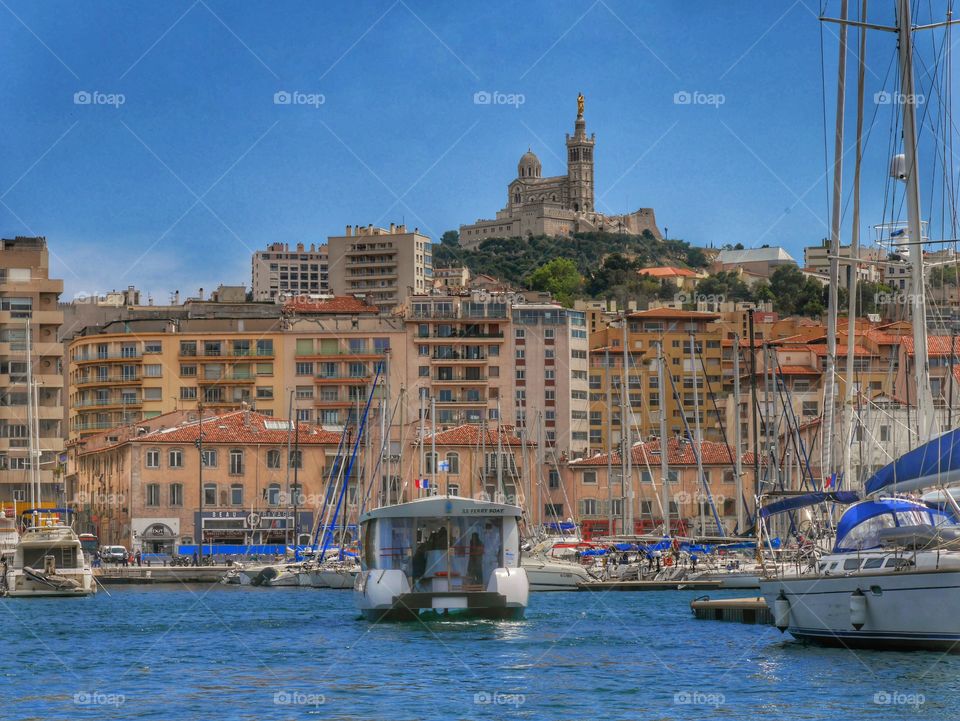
[(459, 379), (228, 378), (225, 353), (108, 403), (460, 337), (460, 399), (131, 356), (457, 357), (125, 379)]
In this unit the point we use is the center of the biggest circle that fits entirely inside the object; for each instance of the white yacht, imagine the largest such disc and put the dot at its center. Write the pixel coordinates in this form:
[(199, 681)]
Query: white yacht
[(547, 572), (891, 582), (443, 554), (49, 561)]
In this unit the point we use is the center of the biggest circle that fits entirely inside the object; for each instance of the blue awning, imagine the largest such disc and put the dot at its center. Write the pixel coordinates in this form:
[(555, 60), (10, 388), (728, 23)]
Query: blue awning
[(935, 463), (792, 503)]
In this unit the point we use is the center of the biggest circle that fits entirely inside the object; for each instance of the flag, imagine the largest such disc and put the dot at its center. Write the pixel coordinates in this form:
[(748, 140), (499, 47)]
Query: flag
[(830, 481), (423, 483)]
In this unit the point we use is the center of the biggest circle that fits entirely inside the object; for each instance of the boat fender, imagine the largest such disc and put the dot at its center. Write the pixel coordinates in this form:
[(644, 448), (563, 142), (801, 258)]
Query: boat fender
[(781, 612), (668, 561), (858, 609)]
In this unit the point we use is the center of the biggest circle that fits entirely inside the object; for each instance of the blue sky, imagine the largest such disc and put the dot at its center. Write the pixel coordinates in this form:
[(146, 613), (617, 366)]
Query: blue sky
[(198, 166)]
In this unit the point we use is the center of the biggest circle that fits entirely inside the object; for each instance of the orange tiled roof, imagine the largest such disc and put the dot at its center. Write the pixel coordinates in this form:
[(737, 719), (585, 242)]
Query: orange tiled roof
[(242, 427), (667, 271), (797, 370), (469, 434), (936, 344), (858, 350), (671, 313), (678, 454), (332, 306)]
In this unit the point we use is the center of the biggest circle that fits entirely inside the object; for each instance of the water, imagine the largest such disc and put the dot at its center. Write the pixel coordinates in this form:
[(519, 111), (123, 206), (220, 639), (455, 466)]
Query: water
[(226, 652)]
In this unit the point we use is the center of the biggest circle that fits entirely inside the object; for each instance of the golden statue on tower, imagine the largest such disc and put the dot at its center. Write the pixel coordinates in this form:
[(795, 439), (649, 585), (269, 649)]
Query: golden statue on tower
[(579, 105)]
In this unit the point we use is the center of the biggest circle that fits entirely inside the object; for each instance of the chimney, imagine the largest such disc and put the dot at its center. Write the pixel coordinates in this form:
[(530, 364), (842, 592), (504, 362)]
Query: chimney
[(416, 230), (392, 228), (201, 294), (176, 297)]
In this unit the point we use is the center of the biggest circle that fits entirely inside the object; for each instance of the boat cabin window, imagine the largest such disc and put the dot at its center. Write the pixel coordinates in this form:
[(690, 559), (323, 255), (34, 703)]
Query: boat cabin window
[(437, 553), (913, 518), (851, 564), (833, 566), (873, 563), (899, 562), (867, 533), (63, 557)]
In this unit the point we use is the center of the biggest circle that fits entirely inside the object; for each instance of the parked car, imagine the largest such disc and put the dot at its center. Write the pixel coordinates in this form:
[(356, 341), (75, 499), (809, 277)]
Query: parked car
[(113, 554)]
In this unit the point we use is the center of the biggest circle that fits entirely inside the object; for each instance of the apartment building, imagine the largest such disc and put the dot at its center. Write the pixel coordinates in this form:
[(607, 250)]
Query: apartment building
[(384, 265), (279, 272), (29, 304), (816, 258), (126, 371), (146, 486), (638, 393), (551, 350)]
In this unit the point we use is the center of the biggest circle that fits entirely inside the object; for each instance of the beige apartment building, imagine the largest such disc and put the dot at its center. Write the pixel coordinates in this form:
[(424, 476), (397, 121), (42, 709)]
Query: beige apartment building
[(29, 303), (385, 266), (261, 481), (280, 272)]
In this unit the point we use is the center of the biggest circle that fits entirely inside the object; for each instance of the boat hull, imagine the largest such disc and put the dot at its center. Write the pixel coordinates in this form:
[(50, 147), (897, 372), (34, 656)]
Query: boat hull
[(20, 585), (915, 610), (385, 595), (544, 575)]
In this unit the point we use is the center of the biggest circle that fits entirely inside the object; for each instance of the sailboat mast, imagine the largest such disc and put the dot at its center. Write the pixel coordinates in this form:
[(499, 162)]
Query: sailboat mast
[(926, 419), (737, 440), (34, 490), (627, 426), (606, 363), (829, 389), (664, 457)]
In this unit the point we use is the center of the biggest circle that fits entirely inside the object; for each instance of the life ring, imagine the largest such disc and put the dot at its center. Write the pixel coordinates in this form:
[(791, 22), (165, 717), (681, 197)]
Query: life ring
[(668, 561), (253, 520)]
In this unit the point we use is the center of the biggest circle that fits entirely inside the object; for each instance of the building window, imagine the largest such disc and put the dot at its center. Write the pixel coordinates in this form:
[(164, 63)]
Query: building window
[(304, 369), (273, 458), (296, 459), (175, 458), (590, 477), (264, 392), (209, 458), (209, 494), (453, 463), (589, 507), (153, 494), (236, 462), (554, 480), (188, 393), (236, 494), (273, 494), (153, 458), (152, 370), (176, 494)]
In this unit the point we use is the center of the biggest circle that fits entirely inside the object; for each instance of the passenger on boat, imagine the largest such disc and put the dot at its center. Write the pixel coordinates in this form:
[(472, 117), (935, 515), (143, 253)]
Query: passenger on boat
[(475, 565)]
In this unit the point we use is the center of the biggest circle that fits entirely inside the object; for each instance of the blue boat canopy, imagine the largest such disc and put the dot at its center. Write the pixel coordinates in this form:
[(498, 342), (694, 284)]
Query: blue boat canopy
[(859, 527), (808, 499), (935, 463)]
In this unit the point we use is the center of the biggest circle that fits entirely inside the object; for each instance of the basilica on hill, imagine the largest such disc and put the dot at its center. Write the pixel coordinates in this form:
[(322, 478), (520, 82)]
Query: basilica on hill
[(557, 205)]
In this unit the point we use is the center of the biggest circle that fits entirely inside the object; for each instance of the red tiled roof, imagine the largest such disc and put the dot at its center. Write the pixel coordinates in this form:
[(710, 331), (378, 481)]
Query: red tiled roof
[(797, 370), (678, 454), (332, 306), (936, 344), (858, 350), (667, 271), (671, 313), (242, 427), (469, 434)]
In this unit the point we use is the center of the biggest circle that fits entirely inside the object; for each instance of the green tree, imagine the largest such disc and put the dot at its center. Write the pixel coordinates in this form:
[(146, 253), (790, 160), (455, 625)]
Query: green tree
[(725, 284), (451, 237), (796, 294), (560, 278)]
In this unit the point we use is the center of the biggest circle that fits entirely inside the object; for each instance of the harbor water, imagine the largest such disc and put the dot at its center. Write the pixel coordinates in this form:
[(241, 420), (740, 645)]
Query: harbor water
[(222, 652)]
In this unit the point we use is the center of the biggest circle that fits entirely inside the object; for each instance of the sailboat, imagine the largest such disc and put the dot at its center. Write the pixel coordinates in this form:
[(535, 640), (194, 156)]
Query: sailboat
[(892, 578), (48, 559)]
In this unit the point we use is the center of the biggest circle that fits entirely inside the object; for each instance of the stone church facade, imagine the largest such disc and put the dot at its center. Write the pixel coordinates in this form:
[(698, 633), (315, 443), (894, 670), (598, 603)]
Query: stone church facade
[(558, 205)]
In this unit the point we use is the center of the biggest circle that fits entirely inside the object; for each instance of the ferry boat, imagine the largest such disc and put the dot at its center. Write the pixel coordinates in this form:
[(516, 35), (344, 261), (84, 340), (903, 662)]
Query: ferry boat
[(49, 561), (443, 555)]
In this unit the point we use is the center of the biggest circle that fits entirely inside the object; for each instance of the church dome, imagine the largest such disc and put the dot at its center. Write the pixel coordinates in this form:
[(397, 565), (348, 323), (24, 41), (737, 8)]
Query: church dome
[(529, 165)]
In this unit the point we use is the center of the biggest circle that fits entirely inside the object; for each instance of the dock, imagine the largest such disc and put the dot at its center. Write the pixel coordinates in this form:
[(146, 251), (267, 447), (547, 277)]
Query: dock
[(138, 575), (650, 585), (739, 610)]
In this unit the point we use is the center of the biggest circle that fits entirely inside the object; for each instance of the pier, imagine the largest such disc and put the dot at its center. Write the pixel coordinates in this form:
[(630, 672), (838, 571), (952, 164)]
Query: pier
[(649, 585), (159, 574), (739, 610)]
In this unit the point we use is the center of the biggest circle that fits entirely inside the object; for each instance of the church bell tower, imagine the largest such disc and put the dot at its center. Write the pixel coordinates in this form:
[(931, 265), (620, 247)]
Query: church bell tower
[(580, 164)]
